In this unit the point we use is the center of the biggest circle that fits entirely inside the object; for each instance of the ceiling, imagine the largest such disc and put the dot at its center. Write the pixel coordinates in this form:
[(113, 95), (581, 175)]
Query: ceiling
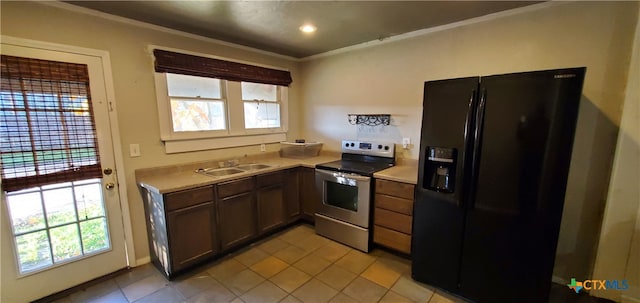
[(273, 26)]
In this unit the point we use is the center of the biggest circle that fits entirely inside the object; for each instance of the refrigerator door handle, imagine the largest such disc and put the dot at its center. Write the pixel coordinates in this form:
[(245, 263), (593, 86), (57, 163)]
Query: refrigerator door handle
[(467, 120), (475, 160)]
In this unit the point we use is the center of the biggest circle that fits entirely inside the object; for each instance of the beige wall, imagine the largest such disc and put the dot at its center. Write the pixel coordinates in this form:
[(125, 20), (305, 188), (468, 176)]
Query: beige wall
[(383, 79), (619, 248), (134, 83), (389, 79)]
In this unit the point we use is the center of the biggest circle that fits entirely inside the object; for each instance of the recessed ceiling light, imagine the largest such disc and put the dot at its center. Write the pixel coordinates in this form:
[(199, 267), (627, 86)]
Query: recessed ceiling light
[(308, 28)]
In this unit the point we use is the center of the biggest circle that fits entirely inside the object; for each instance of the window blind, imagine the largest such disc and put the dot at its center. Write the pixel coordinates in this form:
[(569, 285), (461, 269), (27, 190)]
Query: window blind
[(47, 129), (177, 63)]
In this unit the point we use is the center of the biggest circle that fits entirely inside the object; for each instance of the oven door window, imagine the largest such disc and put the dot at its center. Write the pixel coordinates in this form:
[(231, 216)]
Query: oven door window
[(341, 195)]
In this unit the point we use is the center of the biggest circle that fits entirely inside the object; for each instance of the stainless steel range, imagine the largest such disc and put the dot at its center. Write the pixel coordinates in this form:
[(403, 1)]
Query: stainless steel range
[(346, 189)]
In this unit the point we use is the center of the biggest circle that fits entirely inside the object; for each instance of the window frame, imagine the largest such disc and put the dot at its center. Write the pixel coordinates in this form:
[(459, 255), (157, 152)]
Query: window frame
[(235, 135), (197, 134), (278, 102), (40, 190)]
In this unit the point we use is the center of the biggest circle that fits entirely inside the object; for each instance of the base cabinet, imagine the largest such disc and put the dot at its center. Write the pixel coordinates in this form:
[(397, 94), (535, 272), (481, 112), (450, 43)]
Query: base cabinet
[(192, 235), (392, 215), (292, 194), (271, 201), (187, 227), (181, 228), (309, 198), (237, 216)]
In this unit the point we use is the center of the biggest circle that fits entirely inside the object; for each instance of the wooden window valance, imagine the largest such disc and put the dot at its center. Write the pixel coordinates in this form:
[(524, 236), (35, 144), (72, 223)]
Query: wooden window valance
[(177, 63)]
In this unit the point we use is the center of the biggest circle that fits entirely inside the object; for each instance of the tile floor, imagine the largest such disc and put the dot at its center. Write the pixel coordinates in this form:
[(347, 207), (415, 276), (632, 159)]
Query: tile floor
[(295, 265)]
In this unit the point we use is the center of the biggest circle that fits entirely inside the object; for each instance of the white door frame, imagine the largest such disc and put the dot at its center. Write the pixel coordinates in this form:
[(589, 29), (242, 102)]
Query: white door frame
[(113, 121)]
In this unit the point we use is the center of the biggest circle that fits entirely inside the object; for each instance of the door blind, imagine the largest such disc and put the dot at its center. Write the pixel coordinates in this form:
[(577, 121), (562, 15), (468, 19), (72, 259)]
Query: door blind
[(47, 129)]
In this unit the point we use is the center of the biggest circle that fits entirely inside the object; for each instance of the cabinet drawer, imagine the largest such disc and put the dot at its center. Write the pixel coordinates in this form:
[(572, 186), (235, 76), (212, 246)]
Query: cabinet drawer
[(398, 189), (392, 220), (188, 198), (392, 239), (235, 187), (270, 179), (396, 204)]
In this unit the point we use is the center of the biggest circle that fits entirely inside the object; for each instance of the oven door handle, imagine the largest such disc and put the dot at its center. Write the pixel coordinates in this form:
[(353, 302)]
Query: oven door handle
[(333, 174), (353, 176)]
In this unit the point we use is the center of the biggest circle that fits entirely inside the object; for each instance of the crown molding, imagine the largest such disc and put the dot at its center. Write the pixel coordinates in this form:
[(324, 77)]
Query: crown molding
[(132, 22), (431, 30)]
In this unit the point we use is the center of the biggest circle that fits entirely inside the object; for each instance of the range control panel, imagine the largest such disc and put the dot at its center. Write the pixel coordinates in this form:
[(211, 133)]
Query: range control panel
[(371, 148)]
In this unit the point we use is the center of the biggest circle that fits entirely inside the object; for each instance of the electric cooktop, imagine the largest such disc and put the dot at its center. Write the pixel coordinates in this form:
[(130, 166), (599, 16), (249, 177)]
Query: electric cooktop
[(363, 158)]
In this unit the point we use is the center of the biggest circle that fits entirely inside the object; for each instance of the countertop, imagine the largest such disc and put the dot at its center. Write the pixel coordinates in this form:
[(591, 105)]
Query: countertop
[(180, 177), (405, 171)]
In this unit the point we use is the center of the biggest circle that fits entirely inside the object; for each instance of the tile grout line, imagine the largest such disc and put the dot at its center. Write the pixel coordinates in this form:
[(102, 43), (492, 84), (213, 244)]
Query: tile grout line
[(306, 232)]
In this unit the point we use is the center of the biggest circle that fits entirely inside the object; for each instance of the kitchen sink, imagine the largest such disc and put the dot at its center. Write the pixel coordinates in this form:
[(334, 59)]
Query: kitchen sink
[(226, 171), (220, 172), (254, 166)]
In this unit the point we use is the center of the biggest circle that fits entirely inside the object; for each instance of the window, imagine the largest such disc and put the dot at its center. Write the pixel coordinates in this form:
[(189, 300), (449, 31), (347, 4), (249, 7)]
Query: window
[(207, 103), (57, 223), (196, 103), (261, 105), (50, 163)]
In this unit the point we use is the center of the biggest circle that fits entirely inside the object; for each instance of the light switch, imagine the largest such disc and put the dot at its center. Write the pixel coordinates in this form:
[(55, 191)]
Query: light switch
[(134, 150)]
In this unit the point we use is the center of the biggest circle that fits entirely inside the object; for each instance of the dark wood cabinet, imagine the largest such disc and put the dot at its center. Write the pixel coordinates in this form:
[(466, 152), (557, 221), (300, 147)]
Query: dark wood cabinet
[(309, 197), (188, 227), (271, 201), (192, 234), (292, 194), (181, 228), (237, 216)]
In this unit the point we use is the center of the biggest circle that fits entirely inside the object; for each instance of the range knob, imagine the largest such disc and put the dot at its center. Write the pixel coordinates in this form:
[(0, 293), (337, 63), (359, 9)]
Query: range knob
[(386, 147), (379, 146), (346, 145), (352, 145)]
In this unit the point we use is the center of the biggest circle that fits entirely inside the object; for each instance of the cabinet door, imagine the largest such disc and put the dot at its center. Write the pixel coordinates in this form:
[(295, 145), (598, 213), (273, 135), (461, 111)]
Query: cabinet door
[(292, 194), (237, 219), (310, 198), (192, 235), (271, 208)]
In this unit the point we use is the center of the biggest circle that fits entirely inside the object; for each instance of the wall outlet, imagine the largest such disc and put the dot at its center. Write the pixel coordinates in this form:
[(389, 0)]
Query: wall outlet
[(263, 148), (134, 150), (406, 142)]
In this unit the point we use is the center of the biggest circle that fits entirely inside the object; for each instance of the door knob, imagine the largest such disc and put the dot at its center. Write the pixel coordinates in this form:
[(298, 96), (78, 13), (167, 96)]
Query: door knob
[(107, 171), (110, 186)]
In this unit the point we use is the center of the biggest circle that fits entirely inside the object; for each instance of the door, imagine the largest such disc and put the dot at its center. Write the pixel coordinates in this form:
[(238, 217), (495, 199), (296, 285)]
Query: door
[(438, 216), (64, 232), (526, 123)]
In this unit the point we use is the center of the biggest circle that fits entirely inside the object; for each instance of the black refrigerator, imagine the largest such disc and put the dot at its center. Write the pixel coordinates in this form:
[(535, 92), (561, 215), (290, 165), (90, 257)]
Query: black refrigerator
[(494, 160)]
